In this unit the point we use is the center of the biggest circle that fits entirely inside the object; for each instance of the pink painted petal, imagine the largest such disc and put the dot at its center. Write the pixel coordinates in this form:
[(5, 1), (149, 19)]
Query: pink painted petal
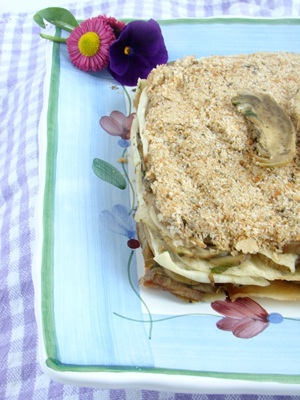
[(128, 122), (248, 328), (228, 324), (111, 126), (244, 328), (241, 307), (127, 127), (118, 116)]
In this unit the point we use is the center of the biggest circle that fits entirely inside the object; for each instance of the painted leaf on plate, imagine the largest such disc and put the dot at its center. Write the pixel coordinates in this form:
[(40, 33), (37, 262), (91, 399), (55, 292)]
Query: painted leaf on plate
[(109, 173)]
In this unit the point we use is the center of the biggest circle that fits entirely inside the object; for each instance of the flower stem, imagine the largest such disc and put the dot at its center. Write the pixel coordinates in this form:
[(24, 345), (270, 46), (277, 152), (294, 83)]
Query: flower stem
[(150, 321), (53, 38), (129, 100), (63, 25)]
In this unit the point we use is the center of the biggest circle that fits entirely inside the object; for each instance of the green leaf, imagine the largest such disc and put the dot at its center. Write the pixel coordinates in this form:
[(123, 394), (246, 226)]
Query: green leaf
[(109, 173), (57, 16)]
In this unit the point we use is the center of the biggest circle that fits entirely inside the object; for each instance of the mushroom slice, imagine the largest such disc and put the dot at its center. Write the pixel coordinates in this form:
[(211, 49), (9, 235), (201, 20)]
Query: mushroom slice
[(276, 140)]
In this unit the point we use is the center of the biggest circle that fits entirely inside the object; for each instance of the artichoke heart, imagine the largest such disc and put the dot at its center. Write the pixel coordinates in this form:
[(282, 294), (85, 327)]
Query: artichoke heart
[(276, 139)]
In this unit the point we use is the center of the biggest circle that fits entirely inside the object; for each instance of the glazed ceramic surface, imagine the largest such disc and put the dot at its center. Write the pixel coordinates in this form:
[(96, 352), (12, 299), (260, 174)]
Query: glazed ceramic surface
[(98, 326)]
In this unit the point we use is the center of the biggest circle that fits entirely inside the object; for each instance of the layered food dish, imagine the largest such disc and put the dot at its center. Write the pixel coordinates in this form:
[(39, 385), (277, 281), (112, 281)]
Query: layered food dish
[(215, 150)]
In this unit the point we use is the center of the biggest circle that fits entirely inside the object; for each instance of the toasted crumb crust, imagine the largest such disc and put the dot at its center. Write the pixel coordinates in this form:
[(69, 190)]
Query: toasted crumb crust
[(199, 164)]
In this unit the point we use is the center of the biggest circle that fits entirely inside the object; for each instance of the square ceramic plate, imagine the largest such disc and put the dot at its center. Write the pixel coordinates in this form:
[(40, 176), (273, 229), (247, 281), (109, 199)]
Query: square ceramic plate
[(97, 326)]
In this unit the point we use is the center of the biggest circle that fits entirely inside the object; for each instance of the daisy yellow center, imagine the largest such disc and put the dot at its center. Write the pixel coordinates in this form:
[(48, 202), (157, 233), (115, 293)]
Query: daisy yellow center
[(89, 44)]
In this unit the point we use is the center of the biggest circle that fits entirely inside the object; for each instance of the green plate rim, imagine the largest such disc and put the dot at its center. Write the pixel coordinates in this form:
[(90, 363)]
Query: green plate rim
[(47, 268)]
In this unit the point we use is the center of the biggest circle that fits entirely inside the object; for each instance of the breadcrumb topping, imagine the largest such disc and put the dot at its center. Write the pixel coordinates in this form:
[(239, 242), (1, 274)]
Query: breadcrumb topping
[(199, 166)]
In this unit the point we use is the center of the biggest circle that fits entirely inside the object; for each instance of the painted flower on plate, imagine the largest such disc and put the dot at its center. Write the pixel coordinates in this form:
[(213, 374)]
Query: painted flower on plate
[(117, 124), (139, 48), (119, 220), (88, 44), (244, 317)]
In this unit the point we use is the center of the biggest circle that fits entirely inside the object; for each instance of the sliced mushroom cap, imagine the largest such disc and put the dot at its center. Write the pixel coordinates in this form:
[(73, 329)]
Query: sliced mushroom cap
[(276, 141)]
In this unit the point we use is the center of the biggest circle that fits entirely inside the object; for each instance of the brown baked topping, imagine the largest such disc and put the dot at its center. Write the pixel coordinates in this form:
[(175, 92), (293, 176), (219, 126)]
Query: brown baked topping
[(196, 137), (215, 148)]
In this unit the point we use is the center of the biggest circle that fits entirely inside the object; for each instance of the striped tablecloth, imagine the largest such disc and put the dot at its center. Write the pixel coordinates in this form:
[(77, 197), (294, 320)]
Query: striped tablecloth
[(22, 70)]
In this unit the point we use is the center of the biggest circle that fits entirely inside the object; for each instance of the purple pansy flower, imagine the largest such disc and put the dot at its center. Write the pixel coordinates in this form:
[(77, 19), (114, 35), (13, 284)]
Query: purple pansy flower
[(244, 317), (119, 220), (117, 124), (139, 48)]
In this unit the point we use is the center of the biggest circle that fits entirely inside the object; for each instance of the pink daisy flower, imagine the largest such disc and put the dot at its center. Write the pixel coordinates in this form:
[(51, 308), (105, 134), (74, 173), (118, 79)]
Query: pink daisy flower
[(88, 44), (115, 24)]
